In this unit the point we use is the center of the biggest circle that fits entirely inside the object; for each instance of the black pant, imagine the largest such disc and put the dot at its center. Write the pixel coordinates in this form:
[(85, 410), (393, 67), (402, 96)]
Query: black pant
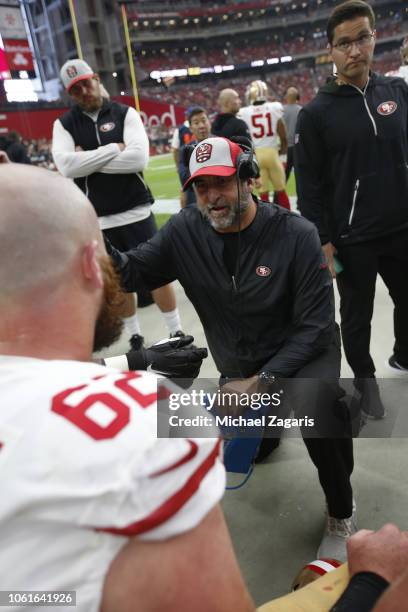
[(362, 262), (289, 162), (315, 390)]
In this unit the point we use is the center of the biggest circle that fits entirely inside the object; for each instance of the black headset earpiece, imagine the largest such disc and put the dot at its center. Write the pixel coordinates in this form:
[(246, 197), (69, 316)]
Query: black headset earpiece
[(246, 162)]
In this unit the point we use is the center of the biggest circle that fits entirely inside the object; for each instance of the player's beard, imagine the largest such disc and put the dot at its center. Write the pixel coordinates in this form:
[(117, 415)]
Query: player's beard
[(109, 323), (231, 217)]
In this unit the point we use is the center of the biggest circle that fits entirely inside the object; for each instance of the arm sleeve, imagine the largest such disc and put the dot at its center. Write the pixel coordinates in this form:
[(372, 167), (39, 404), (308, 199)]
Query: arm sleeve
[(363, 591), (75, 164), (309, 157), (313, 309), (150, 265), (135, 157)]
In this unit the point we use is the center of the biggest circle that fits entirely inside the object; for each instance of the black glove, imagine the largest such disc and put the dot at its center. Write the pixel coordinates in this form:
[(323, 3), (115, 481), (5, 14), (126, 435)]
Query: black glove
[(174, 358)]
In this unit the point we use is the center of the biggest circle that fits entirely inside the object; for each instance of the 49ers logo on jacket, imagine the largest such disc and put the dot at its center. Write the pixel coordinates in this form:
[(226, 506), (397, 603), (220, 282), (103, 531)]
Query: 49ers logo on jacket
[(387, 108), (203, 152), (263, 271), (106, 127)]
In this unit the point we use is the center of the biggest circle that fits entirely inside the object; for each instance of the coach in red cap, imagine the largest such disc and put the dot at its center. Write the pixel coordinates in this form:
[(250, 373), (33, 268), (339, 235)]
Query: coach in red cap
[(257, 277)]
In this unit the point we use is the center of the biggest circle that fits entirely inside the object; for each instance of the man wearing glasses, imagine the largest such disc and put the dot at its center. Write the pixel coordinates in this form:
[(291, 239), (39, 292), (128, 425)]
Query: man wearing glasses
[(351, 156)]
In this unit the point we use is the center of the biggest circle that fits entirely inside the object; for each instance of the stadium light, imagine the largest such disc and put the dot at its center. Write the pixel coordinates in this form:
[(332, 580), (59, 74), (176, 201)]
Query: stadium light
[(20, 90), (286, 58), (256, 63), (114, 74), (273, 60)]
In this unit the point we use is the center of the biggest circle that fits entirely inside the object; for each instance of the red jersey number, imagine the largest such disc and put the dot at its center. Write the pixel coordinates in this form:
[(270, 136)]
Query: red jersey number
[(77, 413), (262, 125)]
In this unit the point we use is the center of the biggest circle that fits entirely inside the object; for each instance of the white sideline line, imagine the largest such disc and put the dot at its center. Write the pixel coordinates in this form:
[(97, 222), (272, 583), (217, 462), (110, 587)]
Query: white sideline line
[(153, 169)]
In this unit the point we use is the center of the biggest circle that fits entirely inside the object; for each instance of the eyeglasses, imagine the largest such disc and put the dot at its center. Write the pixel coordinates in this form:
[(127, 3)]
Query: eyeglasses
[(361, 42)]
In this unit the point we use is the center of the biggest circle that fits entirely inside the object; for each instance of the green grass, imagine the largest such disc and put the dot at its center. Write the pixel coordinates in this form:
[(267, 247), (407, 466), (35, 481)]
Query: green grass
[(162, 178)]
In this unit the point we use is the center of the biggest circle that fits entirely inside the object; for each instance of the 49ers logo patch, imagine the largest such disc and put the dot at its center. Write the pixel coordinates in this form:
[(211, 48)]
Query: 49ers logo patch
[(72, 72), (106, 127), (263, 271), (203, 152), (387, 108)]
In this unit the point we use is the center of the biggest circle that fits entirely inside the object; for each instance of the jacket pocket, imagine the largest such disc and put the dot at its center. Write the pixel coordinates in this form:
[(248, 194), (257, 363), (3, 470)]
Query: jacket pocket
[(379, 203)]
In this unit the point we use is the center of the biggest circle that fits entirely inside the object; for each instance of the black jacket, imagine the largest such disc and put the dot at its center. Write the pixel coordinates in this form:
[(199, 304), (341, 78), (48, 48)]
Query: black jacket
[(351, 160), (109, 193), (277, 314), (227, 125)]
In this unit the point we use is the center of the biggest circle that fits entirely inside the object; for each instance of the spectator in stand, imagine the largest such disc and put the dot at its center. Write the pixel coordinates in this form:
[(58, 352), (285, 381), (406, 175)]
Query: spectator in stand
[(227, 124), (290, 114), (12, 144), (201, 129)]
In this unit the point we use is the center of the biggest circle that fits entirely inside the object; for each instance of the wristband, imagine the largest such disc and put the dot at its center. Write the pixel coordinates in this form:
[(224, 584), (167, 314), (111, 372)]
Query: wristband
[(362, 593), (119, 363)]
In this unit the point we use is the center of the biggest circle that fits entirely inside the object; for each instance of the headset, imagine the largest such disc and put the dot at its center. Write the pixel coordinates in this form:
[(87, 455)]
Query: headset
[(245, 163)]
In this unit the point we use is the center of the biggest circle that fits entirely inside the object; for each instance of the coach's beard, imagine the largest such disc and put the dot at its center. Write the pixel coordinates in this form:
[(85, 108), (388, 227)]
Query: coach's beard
[(109, 323), (229, 215)]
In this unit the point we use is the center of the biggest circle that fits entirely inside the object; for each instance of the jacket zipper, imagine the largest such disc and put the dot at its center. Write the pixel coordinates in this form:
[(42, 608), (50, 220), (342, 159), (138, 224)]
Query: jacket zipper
[(86, 186), (234, 284), (363, 93), (97, 134), (353, 206)]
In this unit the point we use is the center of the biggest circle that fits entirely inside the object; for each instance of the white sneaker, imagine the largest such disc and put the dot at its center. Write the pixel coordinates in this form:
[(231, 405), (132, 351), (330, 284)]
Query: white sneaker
[(396, 368), (337, 532)]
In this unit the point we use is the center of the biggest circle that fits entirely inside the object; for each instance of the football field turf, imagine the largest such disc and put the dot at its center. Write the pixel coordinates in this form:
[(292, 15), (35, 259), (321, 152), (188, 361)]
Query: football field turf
[(162, 178)]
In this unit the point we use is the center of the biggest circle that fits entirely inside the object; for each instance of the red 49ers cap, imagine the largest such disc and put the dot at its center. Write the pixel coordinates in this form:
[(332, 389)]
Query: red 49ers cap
[(213, 157)]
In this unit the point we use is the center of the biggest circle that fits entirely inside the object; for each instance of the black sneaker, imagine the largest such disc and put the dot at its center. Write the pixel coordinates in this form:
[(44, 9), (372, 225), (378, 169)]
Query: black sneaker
[(136, 342), (178, 334), (371, 404), (396, 367)]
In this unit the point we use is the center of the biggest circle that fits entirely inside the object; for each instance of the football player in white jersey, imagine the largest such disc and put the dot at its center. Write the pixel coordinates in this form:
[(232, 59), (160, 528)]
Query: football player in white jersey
[(268, 133), (92, 500), (403, 69)]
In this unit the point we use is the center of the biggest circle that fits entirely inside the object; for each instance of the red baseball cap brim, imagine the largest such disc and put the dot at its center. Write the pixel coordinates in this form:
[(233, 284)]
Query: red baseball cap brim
[(81, 77), (210, 171)]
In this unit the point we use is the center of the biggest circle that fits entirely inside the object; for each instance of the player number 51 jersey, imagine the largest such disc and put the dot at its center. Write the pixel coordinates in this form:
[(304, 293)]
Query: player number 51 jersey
[(262, 121)]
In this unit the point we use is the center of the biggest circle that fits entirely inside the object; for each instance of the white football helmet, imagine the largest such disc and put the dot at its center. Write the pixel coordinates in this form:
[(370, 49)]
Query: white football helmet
[(257, 91)]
